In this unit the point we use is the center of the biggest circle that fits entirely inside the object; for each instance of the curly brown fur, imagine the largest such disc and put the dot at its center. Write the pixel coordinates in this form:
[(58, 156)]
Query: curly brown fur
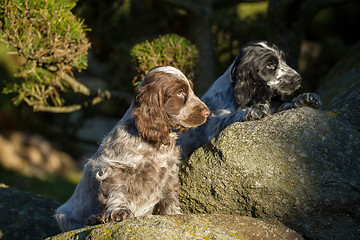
[(135, 170)]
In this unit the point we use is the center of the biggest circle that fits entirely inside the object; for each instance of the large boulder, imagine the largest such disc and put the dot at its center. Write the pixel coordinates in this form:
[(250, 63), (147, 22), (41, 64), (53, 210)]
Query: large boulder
[(26, 216), (185, 227), (301, 167), (340, 89)]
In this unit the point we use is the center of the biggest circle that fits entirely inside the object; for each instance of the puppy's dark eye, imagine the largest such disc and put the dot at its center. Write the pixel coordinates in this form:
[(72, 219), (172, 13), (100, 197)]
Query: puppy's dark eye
[(271, 66), (181, 94)]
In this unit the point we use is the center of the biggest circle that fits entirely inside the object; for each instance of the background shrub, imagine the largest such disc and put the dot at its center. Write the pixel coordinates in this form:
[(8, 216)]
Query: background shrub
[(170, 49), (49, 42)]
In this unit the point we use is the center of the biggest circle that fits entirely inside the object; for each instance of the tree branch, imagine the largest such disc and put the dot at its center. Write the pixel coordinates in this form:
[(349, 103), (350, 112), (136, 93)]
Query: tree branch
[(52, 109), (97, 96), (76, 86), (102, 95)]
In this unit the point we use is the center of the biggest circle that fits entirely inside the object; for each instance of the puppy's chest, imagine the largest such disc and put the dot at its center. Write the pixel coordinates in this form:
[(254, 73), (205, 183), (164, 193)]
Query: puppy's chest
[(150, 180), (158, 168)]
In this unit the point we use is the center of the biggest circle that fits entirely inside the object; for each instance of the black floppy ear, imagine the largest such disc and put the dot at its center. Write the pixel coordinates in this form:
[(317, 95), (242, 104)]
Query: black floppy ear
[(244, 84), (151, 121), (249, 87)]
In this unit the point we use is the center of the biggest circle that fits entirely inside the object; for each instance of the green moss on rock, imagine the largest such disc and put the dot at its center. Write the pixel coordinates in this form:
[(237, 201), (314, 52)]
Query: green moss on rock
[(299, 167), (185, 227)]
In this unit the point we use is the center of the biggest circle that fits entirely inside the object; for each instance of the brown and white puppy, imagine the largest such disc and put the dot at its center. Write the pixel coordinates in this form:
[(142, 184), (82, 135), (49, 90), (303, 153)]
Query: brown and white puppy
[(135, 170)]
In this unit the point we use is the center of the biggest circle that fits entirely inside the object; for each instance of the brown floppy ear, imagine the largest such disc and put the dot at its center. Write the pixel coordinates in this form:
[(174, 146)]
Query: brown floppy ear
[(150, 119)]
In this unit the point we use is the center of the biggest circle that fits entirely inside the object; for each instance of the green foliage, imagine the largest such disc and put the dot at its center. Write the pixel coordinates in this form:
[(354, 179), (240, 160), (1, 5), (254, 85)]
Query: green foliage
[(251, 10), (170, 49), (48, 41)]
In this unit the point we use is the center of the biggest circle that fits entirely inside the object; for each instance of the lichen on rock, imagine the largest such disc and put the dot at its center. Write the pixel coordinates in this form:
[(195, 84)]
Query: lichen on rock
[(190, 226), (299, 166)]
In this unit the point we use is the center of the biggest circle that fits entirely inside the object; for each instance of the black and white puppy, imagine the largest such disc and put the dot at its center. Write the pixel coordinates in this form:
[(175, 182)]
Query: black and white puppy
[(255, 85)]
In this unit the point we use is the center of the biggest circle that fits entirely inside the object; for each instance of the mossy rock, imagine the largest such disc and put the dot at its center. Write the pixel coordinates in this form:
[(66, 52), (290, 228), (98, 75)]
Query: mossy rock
[(26, 216), (341, 77), (185, 227), (340, 89), (300, 166)]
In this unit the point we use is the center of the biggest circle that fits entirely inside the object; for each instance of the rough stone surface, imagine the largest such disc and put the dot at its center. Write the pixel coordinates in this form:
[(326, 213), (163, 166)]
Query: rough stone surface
[(26, 216), (301, 167), (185, 227), (340, 89)]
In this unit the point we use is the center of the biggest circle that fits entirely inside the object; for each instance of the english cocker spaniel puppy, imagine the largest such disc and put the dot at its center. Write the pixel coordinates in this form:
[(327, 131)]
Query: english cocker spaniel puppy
[(255, 85), (135, 170)]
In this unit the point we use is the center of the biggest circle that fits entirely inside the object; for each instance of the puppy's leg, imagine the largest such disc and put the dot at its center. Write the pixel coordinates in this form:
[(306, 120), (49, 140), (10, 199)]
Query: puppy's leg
[(303, 100), (169, 204), (94, 220), (116, 215), (119, 214), (218, 123), (113, 197), (72, 214), (116, 208), (307, 99), (257, 111)]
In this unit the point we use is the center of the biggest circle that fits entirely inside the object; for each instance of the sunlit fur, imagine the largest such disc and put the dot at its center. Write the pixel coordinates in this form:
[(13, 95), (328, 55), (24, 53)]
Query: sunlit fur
[(255, 85), (135, 170)]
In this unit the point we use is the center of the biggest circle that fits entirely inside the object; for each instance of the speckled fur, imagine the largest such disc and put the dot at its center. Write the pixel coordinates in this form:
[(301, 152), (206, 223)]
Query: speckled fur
[(249, 90), (135, 173)]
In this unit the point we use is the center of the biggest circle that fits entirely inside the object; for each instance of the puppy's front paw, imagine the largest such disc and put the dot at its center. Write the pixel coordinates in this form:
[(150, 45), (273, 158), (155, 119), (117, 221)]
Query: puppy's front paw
[(308, 100), (118, 215), (257, 111), (94, 220)]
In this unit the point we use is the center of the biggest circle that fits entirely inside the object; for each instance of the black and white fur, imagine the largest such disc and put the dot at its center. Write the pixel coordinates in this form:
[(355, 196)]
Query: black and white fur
[(255, 85)]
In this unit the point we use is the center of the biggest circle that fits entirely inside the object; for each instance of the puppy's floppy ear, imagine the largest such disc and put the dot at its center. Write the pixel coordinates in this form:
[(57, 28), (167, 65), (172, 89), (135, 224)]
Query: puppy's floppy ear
[(151, 121), (243, 75), (249, 87)]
